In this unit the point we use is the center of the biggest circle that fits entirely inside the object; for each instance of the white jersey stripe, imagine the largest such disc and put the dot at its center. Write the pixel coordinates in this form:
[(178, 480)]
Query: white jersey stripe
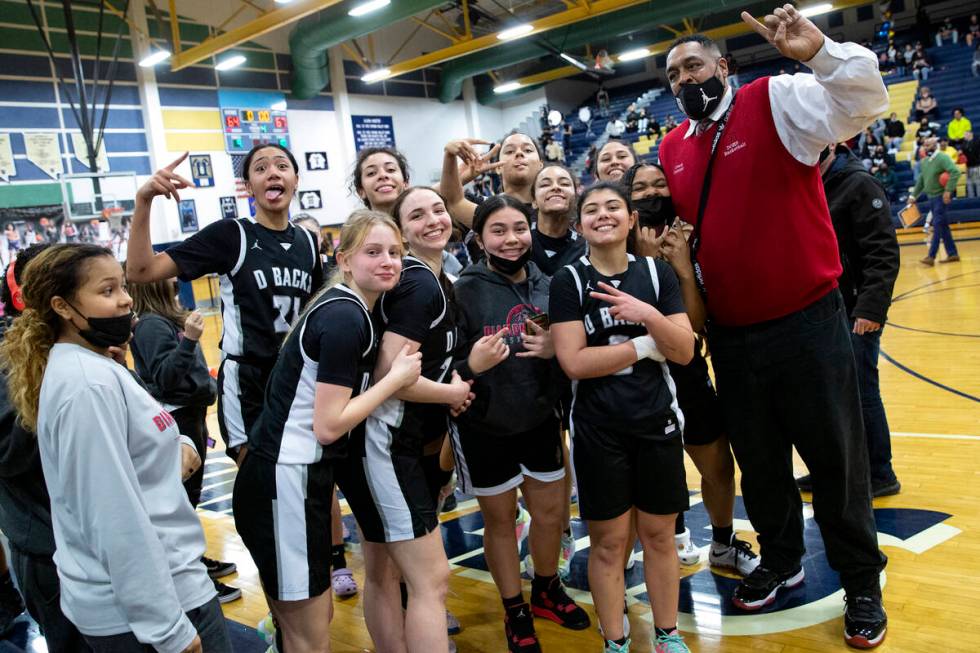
[(289, 522), (396, 517)]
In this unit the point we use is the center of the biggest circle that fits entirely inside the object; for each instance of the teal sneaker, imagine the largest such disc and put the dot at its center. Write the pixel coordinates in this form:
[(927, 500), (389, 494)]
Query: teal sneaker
[(672, 643), (613, 647)]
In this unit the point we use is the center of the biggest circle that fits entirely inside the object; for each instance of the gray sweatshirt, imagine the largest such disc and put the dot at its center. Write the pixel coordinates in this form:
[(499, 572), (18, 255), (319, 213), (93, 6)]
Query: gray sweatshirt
[(129, 544)]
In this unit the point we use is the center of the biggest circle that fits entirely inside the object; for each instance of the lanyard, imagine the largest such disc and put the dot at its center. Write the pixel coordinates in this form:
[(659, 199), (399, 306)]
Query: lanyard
[(703, 203)]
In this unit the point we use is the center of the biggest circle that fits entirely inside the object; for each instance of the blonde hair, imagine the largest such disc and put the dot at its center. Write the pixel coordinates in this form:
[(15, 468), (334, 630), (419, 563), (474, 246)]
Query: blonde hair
[(352, 236), (58, 271), (157, 297)]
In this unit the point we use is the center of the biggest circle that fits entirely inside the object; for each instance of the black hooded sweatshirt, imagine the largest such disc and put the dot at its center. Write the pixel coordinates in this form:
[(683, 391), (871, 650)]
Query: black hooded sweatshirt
[(519, 394), (172, 367), (866, 237)]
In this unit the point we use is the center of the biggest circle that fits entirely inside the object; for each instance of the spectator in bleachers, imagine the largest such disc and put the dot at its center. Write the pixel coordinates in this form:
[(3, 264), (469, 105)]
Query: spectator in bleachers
[(947, 33), (867, 142), (566, 136), (888, 179), (643, 122), (907, 55), (894, 133), (879, 157), (554, 152), (921, 66), (878, 129), (669, 123), (893, 53), (885, 65), (972, 31), (590, 160), (926, 105), (951, 152), (632, 119), (957, 127), (616, 127), (732, 71), (653, 129), (975, 64), (602, 100), (971, 150), (926, 130)]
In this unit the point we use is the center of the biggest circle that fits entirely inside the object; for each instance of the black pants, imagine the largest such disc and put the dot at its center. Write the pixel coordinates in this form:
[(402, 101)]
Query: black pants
[(192, 422), (37, 577), (792, 382), (207, 620)]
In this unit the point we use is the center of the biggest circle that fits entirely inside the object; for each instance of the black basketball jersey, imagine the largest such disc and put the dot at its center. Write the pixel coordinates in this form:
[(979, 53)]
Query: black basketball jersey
[(421, 308), (266, 278), (552, 254), (641, 397), (334, 342)]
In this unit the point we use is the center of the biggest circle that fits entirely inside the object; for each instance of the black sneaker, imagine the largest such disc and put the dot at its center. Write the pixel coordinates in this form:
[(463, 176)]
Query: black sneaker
[(450, 503), (226, 593), (554, 604), (519, 630), (805, 483), (886, 488), (758, 589), (11, 603), (865, 621), (219, 569)]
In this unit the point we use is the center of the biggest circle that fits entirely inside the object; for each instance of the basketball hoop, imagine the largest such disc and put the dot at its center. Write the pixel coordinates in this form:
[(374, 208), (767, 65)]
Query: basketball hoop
[(109, 211)]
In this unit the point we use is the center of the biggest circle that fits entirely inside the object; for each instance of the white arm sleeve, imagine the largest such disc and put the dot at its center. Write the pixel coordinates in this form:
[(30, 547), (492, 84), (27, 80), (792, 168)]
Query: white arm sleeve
[(844, 95)]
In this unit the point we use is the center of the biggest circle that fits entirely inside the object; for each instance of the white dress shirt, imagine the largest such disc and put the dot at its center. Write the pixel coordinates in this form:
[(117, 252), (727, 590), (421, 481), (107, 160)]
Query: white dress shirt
[(844, 94)]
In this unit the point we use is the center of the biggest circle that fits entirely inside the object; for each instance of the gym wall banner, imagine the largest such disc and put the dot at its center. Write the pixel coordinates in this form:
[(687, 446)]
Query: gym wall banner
[(44, 151), (373, 131), (316, 160), (201, 171), (229, 208), (188, 216)]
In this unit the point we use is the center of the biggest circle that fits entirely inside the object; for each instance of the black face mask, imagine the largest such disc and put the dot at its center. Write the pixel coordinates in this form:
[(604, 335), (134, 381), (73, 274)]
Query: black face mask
[(655, 212), (107, 331), (508, 266), (698, 101)]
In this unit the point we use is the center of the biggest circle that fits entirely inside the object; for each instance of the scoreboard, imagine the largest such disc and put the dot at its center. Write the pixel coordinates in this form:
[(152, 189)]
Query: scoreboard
[(246, 128)]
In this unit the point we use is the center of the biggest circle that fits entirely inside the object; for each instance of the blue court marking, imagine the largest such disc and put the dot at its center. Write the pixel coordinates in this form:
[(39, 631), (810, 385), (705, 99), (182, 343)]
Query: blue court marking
[(922, 377), (936, 333)]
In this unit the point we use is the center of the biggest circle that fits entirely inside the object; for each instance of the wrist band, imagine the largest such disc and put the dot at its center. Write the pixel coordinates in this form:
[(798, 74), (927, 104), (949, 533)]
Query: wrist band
[(646, 347)]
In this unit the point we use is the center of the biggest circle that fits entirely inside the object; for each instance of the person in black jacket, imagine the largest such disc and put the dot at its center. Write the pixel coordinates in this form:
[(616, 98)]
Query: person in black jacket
[(869, 255), (25, 507), (169, 361), (511, 436)]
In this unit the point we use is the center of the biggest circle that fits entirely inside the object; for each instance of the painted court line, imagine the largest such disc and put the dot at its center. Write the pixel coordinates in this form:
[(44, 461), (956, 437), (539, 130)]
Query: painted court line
[(936, 436)]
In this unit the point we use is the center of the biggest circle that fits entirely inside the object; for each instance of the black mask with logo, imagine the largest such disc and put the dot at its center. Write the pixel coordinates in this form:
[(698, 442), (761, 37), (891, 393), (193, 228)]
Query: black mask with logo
[(107, 331), (655, 212), (699, 101), (508, 266)]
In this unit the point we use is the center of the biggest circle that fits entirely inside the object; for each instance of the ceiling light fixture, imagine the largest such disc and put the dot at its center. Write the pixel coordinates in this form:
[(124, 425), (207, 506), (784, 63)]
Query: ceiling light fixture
[(632, 55), (376, 75), (233, 61), (515, 32), (572, 60), (155, 57), (507, 87), (368, 7)]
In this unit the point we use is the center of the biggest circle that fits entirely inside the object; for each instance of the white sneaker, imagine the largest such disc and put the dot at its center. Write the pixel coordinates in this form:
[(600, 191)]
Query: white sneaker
[(529, 566), (566, 555), (686, 551), (631, 560), (738, 556), (522, 526)]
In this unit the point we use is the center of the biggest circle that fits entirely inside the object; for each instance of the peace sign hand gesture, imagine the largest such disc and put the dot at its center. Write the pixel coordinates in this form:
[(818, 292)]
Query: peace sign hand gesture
[(164, 182), (794, 35)]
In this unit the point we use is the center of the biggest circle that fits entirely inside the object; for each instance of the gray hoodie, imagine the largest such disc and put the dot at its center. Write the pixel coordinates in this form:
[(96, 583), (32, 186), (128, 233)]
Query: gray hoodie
[(129, 544), (519, 393)]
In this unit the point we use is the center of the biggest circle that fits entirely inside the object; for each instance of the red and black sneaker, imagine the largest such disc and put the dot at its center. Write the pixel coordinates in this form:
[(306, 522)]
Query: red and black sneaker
[(553, 603), (519, 629)]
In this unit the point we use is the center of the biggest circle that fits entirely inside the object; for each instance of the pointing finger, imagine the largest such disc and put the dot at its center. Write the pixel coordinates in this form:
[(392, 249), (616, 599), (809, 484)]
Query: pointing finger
[(759, 28), (177, 162)]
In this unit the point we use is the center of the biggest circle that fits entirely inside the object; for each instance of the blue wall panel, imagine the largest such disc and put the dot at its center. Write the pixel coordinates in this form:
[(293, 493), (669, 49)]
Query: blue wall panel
[(18, 91), (188, 97), (25, 64), (118, 119), (37, 118)]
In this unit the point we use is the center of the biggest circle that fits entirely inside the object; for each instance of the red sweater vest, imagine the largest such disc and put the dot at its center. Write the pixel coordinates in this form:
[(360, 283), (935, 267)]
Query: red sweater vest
[(767, 243)]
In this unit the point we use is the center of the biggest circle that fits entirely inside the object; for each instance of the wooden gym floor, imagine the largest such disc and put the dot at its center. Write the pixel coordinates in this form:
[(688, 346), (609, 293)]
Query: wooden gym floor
[(930, 381)]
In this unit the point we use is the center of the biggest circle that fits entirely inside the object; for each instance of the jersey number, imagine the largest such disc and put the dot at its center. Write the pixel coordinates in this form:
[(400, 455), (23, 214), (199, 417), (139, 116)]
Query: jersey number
[(288, 308)]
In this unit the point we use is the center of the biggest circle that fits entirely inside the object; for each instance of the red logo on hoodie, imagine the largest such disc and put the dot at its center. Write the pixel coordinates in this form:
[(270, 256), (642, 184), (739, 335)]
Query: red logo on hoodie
[(163, 421)]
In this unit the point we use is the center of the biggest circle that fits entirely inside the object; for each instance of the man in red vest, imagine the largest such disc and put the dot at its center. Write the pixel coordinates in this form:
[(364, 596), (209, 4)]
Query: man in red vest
[(742, 170)]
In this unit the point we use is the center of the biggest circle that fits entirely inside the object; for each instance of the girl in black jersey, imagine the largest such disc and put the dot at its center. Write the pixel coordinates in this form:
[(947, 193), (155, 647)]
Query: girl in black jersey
[(380, 176), (320, 391), (704, 433), (615, 319), (519, 162), (555, 243), (388, 488), (268, 270), (614, 158), (511, 436)]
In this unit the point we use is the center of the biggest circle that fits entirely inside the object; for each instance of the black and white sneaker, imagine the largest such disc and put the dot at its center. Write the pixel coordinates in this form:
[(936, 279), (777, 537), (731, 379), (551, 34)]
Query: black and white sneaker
[(218, 568), (758, 589), (865, 621), (738, 555), (226, 593)]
